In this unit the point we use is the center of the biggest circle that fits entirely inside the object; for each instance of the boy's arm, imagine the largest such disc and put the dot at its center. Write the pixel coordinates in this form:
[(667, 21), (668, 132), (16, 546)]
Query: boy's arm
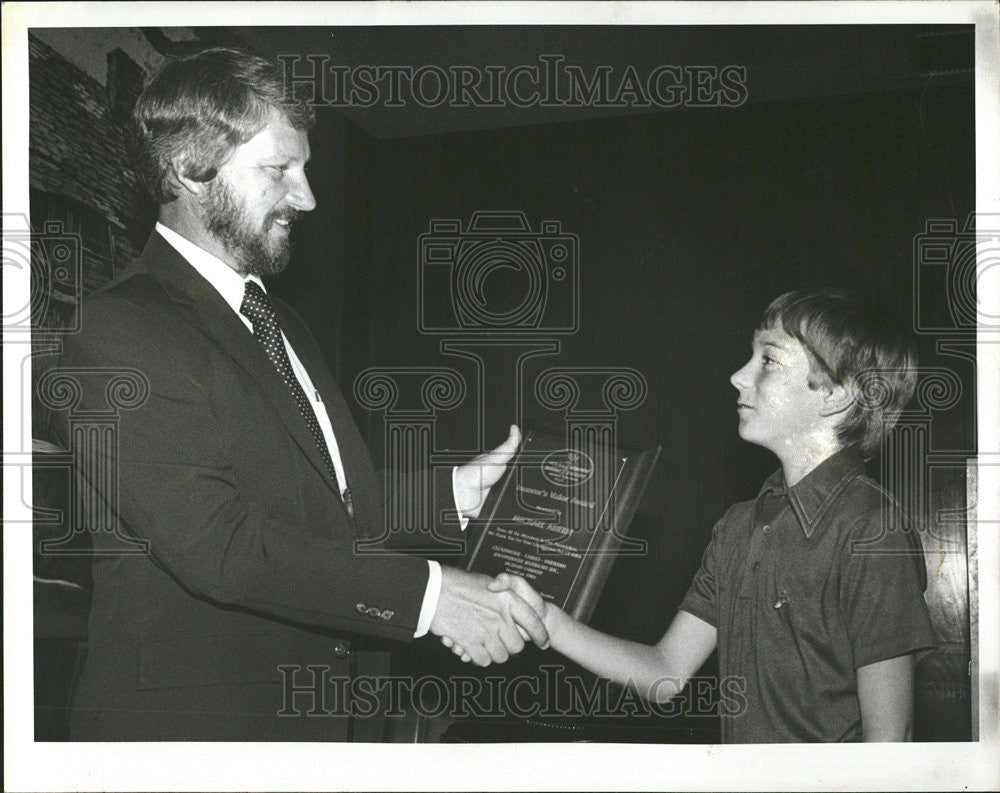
[(885, 640), (885, 692), (657, 673)]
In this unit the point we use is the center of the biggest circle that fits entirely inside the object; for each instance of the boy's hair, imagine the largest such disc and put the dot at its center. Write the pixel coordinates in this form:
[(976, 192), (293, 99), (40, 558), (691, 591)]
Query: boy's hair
[(851, 342), (202, 107)]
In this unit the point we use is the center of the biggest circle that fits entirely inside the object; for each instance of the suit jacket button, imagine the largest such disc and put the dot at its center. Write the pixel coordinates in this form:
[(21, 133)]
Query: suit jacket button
[(362, 608), (341, 650), (372, 612), (387, 614)]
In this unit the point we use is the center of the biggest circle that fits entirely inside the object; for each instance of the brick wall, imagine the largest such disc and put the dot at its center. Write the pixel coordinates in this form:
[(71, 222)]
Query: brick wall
[(78, 165)]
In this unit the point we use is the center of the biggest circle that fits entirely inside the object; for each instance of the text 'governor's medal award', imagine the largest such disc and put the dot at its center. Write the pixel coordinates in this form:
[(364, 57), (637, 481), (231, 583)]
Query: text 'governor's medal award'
[(559, 516)]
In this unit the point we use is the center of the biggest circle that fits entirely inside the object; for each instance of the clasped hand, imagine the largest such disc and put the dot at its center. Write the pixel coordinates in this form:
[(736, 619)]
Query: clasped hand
[(486, 620)]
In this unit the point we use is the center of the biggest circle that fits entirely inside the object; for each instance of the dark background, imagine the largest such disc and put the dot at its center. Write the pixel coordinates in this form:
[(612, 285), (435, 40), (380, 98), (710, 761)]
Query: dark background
[(689, 221)]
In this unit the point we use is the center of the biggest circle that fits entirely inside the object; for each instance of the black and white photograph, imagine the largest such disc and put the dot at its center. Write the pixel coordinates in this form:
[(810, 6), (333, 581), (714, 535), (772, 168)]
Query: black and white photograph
[(501, 395)]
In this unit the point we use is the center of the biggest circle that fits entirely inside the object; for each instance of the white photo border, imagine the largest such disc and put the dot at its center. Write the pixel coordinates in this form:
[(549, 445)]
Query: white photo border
[(191, 766)]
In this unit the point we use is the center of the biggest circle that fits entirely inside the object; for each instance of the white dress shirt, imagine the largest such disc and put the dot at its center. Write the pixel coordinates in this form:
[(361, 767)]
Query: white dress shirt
[(231, 286)]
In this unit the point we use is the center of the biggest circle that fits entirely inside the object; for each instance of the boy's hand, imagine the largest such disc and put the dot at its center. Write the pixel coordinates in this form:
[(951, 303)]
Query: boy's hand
[(524, 590)]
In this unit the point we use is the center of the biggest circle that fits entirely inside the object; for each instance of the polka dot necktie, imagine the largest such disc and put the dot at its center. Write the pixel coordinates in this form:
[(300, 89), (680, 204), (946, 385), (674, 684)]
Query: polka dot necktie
[(258, 309)]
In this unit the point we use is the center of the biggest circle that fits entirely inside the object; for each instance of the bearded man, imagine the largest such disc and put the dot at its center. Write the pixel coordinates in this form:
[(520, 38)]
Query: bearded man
[(243, 471)]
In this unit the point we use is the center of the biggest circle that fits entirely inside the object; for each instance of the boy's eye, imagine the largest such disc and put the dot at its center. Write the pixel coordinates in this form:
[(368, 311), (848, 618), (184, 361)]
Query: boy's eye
[(768, 360)]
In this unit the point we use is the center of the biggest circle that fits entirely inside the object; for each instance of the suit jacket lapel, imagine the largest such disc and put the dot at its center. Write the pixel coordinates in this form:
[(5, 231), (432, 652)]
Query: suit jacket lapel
[(185, 285)]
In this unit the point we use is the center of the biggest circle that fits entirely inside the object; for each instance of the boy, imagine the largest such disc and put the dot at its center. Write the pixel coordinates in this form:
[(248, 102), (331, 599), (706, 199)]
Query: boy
[(812, 592)]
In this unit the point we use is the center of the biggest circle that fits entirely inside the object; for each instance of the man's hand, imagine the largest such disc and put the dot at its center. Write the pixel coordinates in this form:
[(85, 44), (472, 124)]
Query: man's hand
[(474, 479), (484, 624), (524, 590)]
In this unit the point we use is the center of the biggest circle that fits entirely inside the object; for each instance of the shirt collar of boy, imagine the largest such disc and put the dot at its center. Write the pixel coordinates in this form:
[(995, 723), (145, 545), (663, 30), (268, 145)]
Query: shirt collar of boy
[(812, 496)]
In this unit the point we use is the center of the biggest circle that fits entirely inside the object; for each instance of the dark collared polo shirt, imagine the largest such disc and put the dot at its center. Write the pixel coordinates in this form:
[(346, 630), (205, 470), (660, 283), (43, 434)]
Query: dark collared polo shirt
[(805, 585)]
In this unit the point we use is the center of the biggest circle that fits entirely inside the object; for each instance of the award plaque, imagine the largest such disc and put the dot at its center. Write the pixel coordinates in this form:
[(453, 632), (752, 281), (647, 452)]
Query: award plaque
[(558, 517)]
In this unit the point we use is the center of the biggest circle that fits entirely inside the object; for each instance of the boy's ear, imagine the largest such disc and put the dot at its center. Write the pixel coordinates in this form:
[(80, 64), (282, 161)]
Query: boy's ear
[(838, 398)]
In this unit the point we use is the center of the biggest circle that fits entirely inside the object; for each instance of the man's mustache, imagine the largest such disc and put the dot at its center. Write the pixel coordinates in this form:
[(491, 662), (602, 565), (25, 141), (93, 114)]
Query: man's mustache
[(289, 215)]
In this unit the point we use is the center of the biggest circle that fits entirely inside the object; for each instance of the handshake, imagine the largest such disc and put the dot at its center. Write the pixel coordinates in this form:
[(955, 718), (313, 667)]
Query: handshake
[(486, 620)]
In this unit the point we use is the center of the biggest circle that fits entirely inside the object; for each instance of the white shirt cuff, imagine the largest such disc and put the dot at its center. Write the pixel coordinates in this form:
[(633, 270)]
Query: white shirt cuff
[(462, 520), (433, 591), (431, 596)]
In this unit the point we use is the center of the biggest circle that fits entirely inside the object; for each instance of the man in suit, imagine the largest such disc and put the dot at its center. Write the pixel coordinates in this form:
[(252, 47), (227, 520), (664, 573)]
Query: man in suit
[(243, 470)]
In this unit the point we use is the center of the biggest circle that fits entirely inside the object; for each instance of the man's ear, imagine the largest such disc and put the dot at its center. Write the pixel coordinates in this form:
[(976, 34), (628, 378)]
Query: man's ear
[(184, 177), (837, 398)]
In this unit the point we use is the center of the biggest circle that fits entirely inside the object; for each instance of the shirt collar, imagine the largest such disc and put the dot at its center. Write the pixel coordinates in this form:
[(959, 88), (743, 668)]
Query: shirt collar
[(227, 282), (812, 496)]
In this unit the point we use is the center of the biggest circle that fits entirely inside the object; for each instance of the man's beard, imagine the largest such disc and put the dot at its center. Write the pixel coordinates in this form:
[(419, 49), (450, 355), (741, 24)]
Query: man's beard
[(252, 248)]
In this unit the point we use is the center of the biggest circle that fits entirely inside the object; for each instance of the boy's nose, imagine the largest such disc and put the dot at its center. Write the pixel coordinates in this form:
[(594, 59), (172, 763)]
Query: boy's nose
[(738, 378)]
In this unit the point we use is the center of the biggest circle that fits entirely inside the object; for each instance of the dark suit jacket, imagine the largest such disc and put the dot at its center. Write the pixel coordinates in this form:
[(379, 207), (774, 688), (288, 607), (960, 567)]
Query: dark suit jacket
[(251, 562)]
